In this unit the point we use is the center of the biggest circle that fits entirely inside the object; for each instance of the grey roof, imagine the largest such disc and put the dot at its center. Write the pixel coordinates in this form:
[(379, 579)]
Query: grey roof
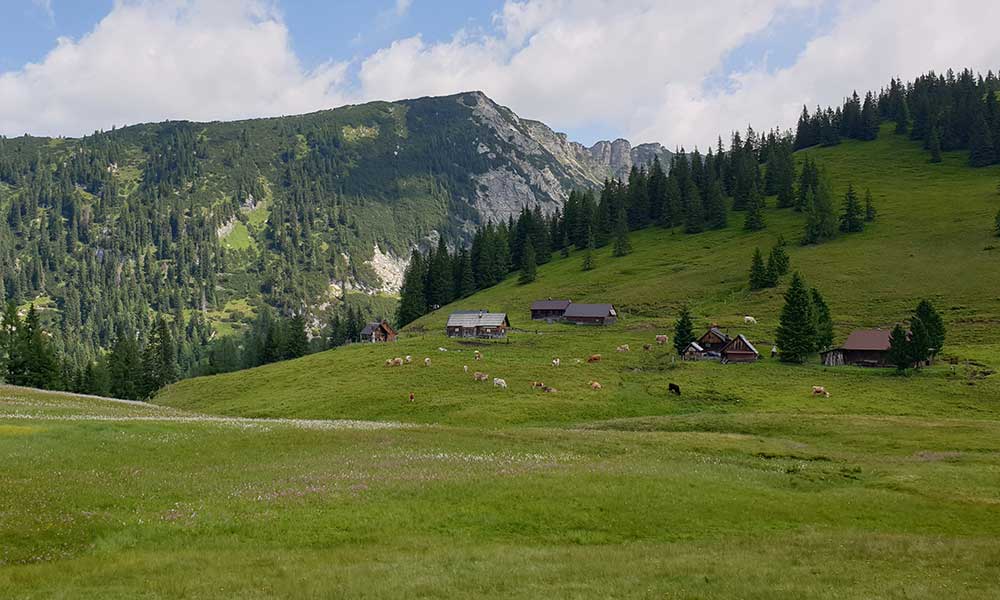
[(369, 328), (476, 319), (745, 341), (695, 346), (590, 310), (550, 304)]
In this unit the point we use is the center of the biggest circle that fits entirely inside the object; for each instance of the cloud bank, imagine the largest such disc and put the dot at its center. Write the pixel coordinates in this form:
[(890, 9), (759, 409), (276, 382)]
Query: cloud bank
[(649, 70)]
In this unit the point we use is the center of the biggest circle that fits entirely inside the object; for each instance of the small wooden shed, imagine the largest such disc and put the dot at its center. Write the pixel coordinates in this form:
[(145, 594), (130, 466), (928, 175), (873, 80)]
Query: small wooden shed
[(591, 314), (378, 331), (477, 324), (740, 350)]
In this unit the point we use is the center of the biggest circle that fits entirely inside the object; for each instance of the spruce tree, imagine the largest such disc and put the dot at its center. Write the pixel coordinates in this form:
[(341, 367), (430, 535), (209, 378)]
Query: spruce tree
[(899, 349), (715, 206), (412, 302), (981, 151), (796, 333), (588, 256), (919, 345), (823, 320), (528, 266), (934, 142), (694, 208), (821, 222), (467, 281), (852, 219), (777, 264), (933, 323), (296, 340), (124, 364), (870, 212), (754, 220), (622, 246), (683, 330), (759, 278)]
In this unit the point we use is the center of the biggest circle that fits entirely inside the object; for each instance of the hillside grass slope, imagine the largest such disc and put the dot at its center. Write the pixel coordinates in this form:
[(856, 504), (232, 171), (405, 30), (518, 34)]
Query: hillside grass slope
[(932, 239)]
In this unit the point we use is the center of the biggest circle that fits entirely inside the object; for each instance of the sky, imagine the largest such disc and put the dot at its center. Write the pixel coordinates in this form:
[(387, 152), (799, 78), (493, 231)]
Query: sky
[(679, 73)]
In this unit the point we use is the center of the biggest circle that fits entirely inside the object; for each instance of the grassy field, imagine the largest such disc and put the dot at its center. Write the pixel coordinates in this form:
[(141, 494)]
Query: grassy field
[(743, 487)]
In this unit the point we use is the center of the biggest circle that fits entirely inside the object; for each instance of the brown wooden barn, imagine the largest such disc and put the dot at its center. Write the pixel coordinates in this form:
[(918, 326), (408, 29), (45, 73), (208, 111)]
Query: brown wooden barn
[(549, 310), (863, 348), (378, 331), (739, 349), (477, 324), (591, 314), (714, 340), (693, 352)]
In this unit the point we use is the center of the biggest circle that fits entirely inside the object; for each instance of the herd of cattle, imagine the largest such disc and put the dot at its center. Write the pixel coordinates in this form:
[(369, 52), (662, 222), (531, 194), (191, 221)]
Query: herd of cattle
[(501, 383), (556, 362)]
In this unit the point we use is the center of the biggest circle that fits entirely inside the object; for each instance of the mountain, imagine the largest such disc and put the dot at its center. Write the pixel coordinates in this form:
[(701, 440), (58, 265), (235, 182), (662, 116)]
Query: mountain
[(296, 212)]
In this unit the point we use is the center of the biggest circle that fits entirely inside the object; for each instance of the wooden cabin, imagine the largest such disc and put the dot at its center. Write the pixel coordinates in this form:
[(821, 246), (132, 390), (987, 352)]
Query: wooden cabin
[(378, 331), (739, 350), (693, 352), (549, 310), (477, 324), (714, 340), (590, 314), (863, 348)]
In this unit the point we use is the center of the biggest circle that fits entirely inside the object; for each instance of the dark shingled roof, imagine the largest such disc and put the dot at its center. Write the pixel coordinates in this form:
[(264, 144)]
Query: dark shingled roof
[(867, 339), (550, 304), (590, 310)]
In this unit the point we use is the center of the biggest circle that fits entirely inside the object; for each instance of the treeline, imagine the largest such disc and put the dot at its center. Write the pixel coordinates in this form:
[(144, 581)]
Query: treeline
[(945, 112)]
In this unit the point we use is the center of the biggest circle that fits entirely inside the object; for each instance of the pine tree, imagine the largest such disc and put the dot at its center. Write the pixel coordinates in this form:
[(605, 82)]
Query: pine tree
[(467, 280), (159, 359), (852, 219), (123, 366), (902, 114), (933, 323), (821, 222), (919, 345), (694, 208), (622, 246), (588, 256), (759, 278), (755, 211), (870, 212), (683, 331), (412, 302), (981, 151), (715, 207), (823, 320), (528, 266), (899, 349), (796, 334), (295, 338), (777, 264), (935, 144)]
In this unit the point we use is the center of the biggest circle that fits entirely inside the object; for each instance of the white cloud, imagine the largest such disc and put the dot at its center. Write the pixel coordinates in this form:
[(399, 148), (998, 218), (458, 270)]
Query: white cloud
[(168, 59), (641, 67), (638, 68)]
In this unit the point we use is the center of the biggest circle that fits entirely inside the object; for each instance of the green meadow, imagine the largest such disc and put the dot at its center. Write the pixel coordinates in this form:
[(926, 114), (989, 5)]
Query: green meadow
[(318, 478)]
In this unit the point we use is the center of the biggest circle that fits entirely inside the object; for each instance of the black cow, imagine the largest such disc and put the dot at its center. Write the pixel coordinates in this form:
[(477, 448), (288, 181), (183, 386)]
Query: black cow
[(674, 389)]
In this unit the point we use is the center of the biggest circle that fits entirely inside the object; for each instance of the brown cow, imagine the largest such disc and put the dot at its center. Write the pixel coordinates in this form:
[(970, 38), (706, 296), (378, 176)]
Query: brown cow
[(537, 384), (647, 347), (622, 348), (550, 390), (595, 385), (594, 358), (661, 339), (397, 362), (819, 390), (480, 376)]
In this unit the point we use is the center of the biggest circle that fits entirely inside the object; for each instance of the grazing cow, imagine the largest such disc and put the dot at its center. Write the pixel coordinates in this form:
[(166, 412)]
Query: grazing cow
[(594, 358), (819, 390), (408, 359), (537, 384), (595, 385), (661, 339), (397, 362), (478, 355), (622, 348), (647, 347), (673, 388), (500, 383), (477, 376), (440, 349), (555, 362), (748, 320), (427, 361), (550, 390), (388, 362), (466, 369)]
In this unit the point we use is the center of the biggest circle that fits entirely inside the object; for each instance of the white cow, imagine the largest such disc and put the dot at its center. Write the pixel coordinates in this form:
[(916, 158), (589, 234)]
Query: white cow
[(466, 368), (500, 383), (427, 361), (555, 362), (748, 320), (408, 359)]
